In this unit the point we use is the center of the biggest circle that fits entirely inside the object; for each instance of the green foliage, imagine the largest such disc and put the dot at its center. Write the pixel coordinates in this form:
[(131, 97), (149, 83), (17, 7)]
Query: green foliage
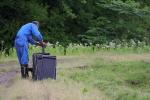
[(85, 90), (76, 21), (121, 20), (15, 13), (66, 82), (49, 79)]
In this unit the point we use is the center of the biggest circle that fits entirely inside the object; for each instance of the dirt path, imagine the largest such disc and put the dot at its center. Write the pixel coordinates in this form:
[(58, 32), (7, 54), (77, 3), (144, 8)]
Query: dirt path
[(7, 76)]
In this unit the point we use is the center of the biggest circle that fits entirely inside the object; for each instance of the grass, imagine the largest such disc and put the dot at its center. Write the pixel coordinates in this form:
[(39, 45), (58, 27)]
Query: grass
[(116, 79), (49, 90), (97, 76), (6, 60), (2, 69)]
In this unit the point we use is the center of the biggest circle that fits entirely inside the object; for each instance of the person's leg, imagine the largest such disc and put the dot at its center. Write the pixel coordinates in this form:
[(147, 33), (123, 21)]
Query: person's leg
[(24, 71), (22, 53), (25, 59), (19, 55)]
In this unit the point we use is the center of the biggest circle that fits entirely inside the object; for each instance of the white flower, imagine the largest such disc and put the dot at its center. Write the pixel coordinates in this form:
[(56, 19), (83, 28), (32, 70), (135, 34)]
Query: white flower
[(119, 45), (133, 42), (57, 42), (123, 39), (107, 46), (70, 44), (85, 44), (37, 47), (48, 44), (97, 45), (139, 42), (110, 43), (80, 44), (2, 41)]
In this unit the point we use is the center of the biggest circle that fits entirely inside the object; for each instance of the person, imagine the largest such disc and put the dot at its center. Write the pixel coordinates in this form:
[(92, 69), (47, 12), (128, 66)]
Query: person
[(23, 37)]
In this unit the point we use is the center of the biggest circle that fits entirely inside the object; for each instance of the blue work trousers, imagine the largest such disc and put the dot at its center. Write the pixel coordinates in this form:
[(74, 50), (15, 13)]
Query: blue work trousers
[(22, 50)]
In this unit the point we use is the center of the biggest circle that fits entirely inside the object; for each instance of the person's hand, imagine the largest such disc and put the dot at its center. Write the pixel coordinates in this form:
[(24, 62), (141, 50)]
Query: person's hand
[(42, 44), (38, 44)]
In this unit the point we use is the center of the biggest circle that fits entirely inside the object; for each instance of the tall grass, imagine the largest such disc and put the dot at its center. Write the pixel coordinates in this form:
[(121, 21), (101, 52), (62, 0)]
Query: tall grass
[(57, 49)]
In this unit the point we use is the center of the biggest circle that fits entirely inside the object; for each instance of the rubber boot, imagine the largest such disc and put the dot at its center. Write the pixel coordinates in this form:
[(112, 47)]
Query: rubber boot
[(26, 71), (23, 72)]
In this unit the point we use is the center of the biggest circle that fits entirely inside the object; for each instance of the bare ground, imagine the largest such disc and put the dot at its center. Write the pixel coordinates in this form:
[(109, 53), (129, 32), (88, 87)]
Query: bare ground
[(7, 76)]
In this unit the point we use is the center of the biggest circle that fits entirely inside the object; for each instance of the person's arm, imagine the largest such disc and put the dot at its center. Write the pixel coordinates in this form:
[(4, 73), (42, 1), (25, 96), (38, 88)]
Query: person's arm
[(37, 34), (30, 40)]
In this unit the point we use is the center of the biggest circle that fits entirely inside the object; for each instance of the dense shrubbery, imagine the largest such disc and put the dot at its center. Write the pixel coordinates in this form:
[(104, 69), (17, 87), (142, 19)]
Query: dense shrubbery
[(76, 21)]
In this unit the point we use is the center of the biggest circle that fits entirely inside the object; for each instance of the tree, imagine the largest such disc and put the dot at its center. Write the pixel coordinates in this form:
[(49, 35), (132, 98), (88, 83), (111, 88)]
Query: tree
[(120, 20), (15, 13)]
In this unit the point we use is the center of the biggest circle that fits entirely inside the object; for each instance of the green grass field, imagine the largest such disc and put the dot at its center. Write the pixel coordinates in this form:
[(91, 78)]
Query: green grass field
[(101, 75)]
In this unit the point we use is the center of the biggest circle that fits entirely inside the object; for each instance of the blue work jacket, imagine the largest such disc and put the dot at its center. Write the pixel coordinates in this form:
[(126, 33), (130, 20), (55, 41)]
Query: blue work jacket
[(27, 31)]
